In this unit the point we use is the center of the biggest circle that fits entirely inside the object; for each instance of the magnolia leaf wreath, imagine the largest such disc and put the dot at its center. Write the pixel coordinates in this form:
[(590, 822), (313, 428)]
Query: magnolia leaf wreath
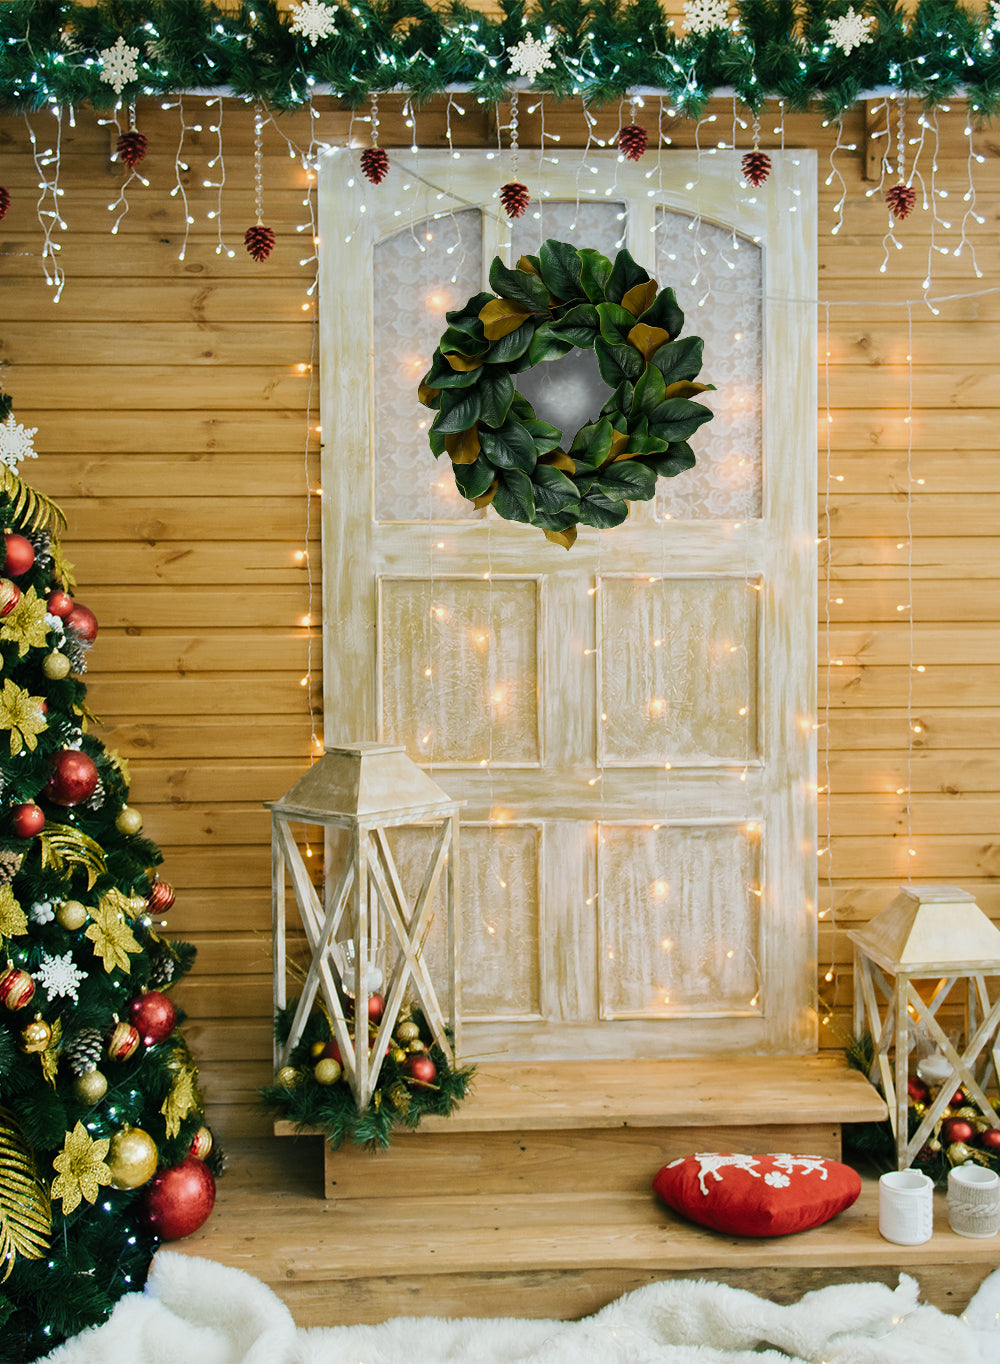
[(502, 454)]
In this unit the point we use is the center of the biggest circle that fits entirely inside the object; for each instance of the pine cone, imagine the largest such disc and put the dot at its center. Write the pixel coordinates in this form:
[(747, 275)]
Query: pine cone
[(515, 198), (162, 971), (83, 1051), (375, 164), (75, 649), (10, 861), (97, 797), (4, 200), (633, 141), (131, 148), (756, 167), (901, 199), (259, 241)]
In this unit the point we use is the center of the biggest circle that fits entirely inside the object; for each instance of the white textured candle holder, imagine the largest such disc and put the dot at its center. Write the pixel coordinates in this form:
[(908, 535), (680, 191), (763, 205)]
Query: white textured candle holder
[(973, 1201), (906, 1207)]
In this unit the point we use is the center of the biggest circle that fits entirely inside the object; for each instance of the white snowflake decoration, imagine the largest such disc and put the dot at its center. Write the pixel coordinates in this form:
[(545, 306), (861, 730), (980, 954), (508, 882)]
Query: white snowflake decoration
[(118, 65), (705, 16), (15, 442), (42, 912), (60, 975), (530, 56), (851, 30), (313, 20)]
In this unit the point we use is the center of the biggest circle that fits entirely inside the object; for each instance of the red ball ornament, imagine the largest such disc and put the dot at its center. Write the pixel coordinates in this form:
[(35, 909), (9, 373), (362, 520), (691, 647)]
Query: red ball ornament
[(123, 1042), (83, 621), (957, 1099), (332, 1051), (917, 1090), (177, 1201), (990, 1139), (60, 603), (16, 988), (10, 595), (957, 1129), (74, 777), (27, 820), (376, 1007), (422, 1069), (160, 898), (20, 554), (154, 1015)]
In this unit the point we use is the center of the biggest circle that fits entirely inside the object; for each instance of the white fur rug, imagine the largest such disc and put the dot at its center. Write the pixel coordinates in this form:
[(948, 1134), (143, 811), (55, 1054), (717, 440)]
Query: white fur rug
[(195, 1311)]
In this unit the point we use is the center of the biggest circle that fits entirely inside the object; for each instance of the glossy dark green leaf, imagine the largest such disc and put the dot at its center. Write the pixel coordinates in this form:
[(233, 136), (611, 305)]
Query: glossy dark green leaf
[(627, 480), (675, 460), (619, 402), (594, 274), (512, 447), (553, 490), (496, 392), (680, 359), (512, 346), (459, 410), (436, 441), (441, 375), (678, 418), (625, 274), (617, 363), (592, 444), (664, 312), (515, 497), (579, 325), (519, 286), (615, 322), (545, 345), (650, 392), (546, 437), (560, 266), (601, 512), (472, 480), (560, 520)]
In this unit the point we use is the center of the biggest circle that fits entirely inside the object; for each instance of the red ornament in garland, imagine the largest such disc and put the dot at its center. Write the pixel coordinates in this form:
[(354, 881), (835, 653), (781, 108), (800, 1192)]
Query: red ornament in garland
[(421, 1069), (4, 201), (123, 1042), (160, 898), (957, 1129), (154, 1015), (756, 167), (131, 148), (259, 241), (515, 198), (27, 820), (901, 199), (374, 164), (633, 141), (19, 554), (74, 778), (59, 603), (990, 1139), (10, 595), (177, 1201), (83, 621), (16, 988)]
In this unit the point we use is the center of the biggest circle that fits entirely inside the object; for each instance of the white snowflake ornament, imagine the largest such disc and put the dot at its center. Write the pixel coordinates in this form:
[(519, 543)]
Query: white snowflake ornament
[(118, 65), (706, 16), (313, 20), (851, 30), (60, 975), (530, 56), (15, 442)]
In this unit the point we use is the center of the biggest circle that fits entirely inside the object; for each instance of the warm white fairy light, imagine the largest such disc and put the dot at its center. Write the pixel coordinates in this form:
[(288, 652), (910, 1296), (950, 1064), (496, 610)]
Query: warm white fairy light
[(47, 207), (179, 166), (120, 205)]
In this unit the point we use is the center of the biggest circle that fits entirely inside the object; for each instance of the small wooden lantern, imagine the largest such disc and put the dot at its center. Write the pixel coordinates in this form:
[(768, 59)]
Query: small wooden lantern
[(936, 934), (365, 789)]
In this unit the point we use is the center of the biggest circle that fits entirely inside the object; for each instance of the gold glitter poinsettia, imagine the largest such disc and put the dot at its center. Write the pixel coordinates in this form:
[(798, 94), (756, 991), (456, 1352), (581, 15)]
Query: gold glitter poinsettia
[(82, 1168), (26, 623), (182, 1099), (127, 905), (13, 920), (111, 935), (21, 713)]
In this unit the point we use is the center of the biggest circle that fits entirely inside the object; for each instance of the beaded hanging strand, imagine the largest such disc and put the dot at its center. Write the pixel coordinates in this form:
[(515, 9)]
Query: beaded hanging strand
[(900, 197), (756, 165), (514, 195), (374, 161), (259, 240), (633, 139)]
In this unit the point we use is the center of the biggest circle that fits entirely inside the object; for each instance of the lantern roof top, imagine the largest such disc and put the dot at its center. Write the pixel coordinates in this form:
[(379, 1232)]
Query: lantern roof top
[(364, 782), (931, 930)]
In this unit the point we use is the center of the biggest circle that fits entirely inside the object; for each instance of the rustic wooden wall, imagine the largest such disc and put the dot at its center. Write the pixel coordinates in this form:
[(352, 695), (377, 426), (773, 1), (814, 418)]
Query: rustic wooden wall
[(172, 400)]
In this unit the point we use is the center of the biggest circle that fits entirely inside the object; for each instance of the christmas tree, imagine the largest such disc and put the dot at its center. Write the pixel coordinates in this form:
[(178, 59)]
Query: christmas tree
[(103, 1148)]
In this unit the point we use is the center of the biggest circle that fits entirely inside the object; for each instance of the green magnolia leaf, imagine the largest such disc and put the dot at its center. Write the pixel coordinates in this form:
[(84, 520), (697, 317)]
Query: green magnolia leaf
[(459, 410), (617, 363), (601, 512), (530, 264), (677, 418), (650, 392), (675, 460), (592, 444), (546, 437), (615, 322), (625, 275), (435, 440), (515, 496), (560, 267), (442, 375), (626, 480), (512, 346), (464, 317), (496, 392), (472, 480), (560, 520), (519, 287), (554, 492), (594, 274), (579, 326), (512, 447), (547, 345), (470, 340), (679, 359), (620, 401), (664, 312)]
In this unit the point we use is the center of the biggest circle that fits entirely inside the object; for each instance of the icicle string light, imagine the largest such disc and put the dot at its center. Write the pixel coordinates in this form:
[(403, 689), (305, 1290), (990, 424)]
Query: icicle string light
[(179, 167), (47, 206)]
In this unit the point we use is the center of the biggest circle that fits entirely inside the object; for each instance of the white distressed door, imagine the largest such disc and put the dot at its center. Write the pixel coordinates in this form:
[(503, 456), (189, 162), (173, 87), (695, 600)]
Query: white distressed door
[(631, 722)]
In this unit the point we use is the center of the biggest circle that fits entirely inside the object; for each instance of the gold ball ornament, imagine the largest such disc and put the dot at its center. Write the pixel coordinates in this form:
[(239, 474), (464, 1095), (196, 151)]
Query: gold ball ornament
[(958, 1153), (129, 820), (934, 1145), (72, 915), (407, 1032), (55, 666), (90, 1087), (123, 1042), (201, 1143), (399, 1055), (36, 1036), (132, 1158), (288, 1078), (327, 1071), (415, 1047), (317, 1049)]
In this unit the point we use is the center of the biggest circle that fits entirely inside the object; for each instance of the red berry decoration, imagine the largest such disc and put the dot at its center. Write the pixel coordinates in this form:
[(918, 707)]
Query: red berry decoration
[(633, 141), (4, 201), (16, 988), (154, 1016), (10, 595), (756, 167), (83, 621), (374, 164), (956, 1129), (74, 778), (123, 1042), (259, 241), (901, 199), (131, 148), (515, 198), (20, 554), (422, 1069), (957, 1099), (59, 603), (177, 1201), (160, 898), (27, 820)]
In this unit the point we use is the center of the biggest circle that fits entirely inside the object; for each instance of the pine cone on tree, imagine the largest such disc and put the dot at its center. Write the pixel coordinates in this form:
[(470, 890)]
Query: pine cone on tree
[(162, 971), (901, 199), (10, 862), (375, 164), (515, 198), (259, 241), (131, 148), (756, 167), (633, 141), (75, 650), (83, 1050), (4, 200)]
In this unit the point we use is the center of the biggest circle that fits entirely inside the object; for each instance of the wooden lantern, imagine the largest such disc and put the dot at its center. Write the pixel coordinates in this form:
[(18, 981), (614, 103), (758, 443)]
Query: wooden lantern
[(366, 789), (939, 935)]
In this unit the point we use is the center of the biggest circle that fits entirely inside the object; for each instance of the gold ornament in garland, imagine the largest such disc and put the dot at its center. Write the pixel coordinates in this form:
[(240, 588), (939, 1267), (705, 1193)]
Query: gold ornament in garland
[(49, 1056), (27, 507), (25, 1210), (13, 920), (182, 1099), (111, 935), (81, 1168), (63, 846), (502, 454), (25, 625), (22, 714)]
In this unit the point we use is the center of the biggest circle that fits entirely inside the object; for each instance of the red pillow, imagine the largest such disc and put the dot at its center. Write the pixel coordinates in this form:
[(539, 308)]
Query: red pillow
[(757, 1195)]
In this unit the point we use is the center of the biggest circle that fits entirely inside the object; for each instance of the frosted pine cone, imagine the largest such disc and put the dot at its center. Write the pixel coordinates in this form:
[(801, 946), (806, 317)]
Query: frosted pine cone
[(83, 1051), (10, 861), (515, 198), (375, 164), (633, 141), (259, 241), (756, 167), (162, 972), (131, 148), (901, 199), (4, 200)]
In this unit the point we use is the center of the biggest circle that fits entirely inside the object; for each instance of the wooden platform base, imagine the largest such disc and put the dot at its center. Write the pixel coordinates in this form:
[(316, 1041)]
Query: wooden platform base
[(511, 1208)]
